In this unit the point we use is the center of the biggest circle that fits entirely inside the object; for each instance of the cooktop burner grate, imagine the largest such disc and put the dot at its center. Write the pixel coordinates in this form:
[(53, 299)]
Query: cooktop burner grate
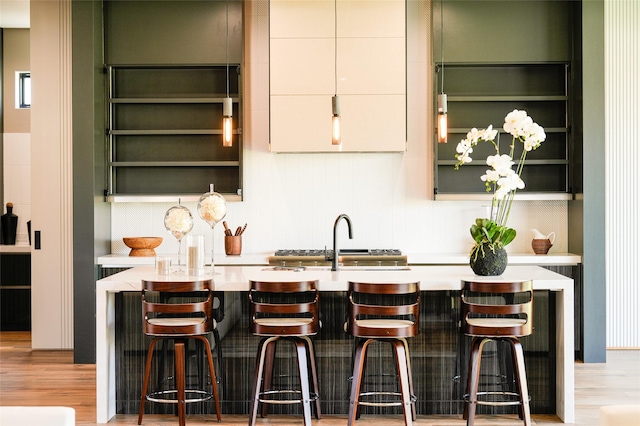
[(343, 252), (302, 252)]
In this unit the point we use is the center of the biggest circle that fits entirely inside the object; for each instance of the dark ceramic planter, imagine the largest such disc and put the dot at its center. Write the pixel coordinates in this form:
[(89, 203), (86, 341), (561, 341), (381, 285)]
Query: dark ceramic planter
[(488, 260)]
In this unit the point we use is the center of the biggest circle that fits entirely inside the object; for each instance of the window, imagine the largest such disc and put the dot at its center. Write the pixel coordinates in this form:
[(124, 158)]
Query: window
[(23, 89)]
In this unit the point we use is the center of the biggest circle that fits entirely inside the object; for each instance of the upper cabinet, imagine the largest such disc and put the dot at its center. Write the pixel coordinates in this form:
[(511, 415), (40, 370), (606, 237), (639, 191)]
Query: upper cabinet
[(486, 74), (355, 49), (165, 132), (168, 66), (482, 94)]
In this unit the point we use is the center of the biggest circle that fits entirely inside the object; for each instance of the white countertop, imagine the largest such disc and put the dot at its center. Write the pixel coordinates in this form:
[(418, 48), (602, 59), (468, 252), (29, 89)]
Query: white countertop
[(120, 260), (236, 278), (123, 260), (514, 259)]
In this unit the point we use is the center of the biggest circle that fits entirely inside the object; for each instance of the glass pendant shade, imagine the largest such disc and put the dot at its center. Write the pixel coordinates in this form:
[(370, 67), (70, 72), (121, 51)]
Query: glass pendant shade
[(442, 118), (336, 132), (227, 122)]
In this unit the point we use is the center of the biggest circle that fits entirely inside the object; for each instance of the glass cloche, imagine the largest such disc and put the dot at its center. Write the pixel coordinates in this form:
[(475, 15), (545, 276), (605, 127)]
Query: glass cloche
[(179, 222), (212, 207)]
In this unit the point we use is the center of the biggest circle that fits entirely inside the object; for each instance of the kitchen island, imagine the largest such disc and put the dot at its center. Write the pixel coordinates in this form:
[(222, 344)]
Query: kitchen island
[(437, 280)]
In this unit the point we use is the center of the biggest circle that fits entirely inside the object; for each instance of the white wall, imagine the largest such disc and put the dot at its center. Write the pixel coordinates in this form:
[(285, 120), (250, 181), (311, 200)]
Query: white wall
[(51, 176), (622, 104), (292, 200), (17, 180), (16, 139)]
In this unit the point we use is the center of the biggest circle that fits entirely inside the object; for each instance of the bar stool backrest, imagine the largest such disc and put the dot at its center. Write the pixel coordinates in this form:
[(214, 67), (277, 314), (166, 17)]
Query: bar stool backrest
[(190, 316), (284, 308), (497, 308), (383, 309)]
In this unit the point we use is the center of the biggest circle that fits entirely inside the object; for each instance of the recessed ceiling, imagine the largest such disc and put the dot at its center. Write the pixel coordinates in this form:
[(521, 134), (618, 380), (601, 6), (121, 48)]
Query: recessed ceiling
[(14, 13)]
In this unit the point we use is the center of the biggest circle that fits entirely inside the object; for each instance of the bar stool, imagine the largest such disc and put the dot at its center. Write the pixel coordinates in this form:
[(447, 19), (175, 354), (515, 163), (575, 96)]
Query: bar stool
[(496, 311), (285, 311), (217, 313), (389, 313), (179, 322)]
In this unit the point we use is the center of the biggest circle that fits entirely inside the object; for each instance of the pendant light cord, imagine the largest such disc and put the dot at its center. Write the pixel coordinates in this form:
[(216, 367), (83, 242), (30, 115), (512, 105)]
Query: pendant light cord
[(227, 47), (441, 47), (335, 47)]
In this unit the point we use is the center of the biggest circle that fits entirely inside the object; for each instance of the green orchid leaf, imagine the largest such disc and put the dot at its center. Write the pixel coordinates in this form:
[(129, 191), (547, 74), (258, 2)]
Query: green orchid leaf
[(476, 233), (508, 235)]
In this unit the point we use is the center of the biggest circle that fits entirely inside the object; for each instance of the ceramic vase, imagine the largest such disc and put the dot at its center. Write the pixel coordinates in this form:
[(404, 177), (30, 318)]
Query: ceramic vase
[(9, 226)]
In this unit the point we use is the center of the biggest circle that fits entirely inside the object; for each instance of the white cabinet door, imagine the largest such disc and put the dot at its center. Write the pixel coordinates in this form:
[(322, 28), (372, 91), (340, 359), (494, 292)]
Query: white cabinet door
[(365, 65)]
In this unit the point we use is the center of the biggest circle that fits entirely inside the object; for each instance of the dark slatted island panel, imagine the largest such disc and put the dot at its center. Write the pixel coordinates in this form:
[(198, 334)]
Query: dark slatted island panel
[(438, 358)]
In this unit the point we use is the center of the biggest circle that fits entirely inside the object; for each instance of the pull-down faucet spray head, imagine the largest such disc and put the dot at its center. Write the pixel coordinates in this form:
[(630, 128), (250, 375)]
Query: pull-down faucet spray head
[(334, 262)]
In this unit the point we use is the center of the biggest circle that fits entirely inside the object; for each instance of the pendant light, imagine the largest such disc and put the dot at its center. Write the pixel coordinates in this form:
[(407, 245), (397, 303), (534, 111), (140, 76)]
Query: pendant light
[(442, 118), (442, 97), (336, 131), (227, 103), (335, 121)]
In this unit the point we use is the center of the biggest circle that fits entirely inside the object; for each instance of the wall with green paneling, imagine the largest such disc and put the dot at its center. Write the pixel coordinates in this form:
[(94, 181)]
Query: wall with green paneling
[(172, 32), (503, 31)]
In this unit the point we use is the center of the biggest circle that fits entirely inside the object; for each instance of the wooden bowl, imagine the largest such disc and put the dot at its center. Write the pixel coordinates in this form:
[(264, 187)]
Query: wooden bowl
[(142, 246)]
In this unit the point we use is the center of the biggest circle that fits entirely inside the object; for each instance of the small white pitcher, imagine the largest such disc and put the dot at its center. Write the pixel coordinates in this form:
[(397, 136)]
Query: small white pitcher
[(542, 243)]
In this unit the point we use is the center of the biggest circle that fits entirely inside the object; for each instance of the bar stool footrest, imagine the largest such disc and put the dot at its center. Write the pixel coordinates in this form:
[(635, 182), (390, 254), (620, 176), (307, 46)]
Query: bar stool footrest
[(383, 403), (264, 396), (505, 402), (157, 396)]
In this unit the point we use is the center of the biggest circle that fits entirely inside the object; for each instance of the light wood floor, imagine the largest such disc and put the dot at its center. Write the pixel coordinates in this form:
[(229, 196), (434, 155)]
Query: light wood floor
[(38, 377)]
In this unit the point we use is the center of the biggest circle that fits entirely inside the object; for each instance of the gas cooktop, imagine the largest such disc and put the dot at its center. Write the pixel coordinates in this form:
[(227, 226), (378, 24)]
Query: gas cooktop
[(347, 257)]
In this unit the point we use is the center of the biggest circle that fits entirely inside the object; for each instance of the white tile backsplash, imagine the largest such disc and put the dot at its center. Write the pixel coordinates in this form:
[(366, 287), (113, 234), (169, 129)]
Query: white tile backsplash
[(299, 210)]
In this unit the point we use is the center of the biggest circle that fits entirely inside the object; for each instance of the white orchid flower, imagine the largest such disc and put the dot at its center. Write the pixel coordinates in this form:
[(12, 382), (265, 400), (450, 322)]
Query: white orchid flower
[(501, 178), (464, 146), (513, 122), (489, 133), (473, 136), (511, 182), (500, 163), (490, 176)]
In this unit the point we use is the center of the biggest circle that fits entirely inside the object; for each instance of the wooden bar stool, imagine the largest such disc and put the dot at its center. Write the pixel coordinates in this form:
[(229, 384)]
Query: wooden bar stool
[(496, 311), (285, 311), (389, 313), (217, 313), (179, 322)]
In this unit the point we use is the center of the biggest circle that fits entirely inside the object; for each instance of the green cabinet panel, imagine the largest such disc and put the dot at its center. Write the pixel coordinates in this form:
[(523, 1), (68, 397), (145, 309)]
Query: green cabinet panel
[(480, 95), (491, 57), (507, 31), (172, 32), (169, 65), (164, 131)]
